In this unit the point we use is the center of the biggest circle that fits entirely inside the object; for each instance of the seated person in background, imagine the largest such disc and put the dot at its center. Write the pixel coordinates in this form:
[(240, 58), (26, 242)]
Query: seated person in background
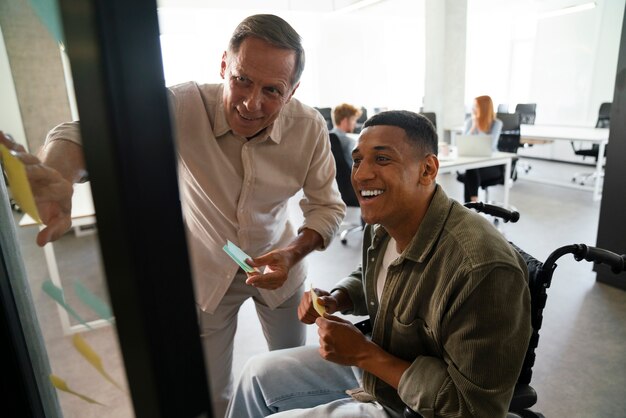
[(446, 293), (344, 119), (482, 122)]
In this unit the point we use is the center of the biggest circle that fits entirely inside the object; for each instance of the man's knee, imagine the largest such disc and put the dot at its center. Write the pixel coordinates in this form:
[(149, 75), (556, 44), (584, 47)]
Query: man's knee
[(277, 363)]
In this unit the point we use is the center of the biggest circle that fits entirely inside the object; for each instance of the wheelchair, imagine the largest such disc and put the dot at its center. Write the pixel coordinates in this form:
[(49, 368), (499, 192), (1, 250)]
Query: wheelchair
[(539, 280)]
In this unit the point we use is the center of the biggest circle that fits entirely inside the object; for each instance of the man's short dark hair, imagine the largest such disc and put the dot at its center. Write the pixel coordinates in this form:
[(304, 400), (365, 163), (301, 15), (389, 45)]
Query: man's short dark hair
[(419, 129), (273, 30)]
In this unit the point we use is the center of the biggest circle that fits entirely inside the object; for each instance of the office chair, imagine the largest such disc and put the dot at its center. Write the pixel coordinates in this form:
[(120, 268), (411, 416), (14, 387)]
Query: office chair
[(326, 113), (604, 121), (342, 175), (508, 142), (539, 280), (527, 112), (431, 116), (360, 121)]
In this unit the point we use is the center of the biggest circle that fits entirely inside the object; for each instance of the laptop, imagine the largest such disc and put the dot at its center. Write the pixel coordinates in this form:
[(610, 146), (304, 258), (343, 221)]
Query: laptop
[(474, 145)]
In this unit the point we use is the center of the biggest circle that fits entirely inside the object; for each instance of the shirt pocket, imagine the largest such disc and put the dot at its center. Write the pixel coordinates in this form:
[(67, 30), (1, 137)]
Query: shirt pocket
[(409, 340)]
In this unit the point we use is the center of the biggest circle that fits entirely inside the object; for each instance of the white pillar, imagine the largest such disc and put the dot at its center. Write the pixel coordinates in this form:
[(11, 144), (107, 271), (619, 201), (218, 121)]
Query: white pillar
[(446, 22)]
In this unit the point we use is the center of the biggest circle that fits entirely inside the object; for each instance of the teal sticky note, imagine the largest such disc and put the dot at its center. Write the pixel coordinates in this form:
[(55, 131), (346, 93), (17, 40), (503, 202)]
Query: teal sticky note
[(94, 302), (50, 15), (239, 257), (56, 293)]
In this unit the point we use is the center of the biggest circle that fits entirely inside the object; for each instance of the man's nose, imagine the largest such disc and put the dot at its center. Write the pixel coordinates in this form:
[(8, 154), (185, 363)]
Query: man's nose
[(362, 172), (253, 100)]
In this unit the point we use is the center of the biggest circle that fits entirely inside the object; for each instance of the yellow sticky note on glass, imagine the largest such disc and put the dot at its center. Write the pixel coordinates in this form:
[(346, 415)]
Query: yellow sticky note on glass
[(60, 384), (18, 183), (93, 358), (316, 304)]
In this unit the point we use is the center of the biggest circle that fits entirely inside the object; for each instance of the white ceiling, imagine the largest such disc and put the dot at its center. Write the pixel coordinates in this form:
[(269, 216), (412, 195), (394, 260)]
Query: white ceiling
[(391, 7), (320, 6)]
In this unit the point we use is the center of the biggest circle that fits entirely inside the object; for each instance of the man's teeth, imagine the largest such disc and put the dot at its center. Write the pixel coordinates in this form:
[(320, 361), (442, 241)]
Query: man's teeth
[(370, 193)]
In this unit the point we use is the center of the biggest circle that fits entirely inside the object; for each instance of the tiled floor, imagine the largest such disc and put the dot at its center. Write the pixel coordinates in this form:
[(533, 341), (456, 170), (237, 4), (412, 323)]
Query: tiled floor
[(580, 368)]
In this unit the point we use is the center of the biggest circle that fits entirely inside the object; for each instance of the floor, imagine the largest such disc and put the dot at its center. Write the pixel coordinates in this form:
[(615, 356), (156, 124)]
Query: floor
[(580, 369)]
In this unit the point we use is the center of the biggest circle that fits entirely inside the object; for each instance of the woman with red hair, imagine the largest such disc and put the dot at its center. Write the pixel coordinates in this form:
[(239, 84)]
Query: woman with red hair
[(482, 122)]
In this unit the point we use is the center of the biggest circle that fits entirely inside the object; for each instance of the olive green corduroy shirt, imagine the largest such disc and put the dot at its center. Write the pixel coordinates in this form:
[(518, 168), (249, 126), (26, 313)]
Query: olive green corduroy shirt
[(456, 305)]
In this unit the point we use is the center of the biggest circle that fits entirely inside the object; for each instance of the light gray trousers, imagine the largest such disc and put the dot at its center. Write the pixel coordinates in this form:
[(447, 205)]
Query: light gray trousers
[(281, 328)]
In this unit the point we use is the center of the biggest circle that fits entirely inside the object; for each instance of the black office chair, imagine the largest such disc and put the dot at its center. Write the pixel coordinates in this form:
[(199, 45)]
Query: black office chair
[(527, 112), (344, 171), (431, 116), (326, 113), (509, 141), (360, 121), (604, 121)]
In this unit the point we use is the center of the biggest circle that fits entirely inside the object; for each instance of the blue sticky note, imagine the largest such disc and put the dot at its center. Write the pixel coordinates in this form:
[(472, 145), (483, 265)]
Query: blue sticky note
[(239, 257), (50, 15), (56, 293), (94, 302)]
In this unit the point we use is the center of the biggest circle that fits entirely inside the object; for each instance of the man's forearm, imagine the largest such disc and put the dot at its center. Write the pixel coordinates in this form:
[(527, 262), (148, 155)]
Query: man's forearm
[(383, 365), (307, 241), (67, 158)]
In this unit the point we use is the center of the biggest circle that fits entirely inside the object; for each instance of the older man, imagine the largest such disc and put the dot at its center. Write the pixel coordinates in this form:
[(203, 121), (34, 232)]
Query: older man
[(245, 147)]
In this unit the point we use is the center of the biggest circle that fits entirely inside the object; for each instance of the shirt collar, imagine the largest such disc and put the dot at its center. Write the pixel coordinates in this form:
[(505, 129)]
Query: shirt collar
[(431, 227), (221, 126), (428, 232)]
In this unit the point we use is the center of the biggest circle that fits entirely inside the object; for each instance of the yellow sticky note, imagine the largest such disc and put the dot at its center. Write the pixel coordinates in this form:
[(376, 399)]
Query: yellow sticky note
[(60, 384), (319, 308), (92, 357), (18, 182)]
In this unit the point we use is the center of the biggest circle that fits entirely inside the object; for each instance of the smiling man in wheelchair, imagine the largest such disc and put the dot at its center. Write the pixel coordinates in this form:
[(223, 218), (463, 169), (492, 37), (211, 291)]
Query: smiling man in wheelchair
[(446, 294)]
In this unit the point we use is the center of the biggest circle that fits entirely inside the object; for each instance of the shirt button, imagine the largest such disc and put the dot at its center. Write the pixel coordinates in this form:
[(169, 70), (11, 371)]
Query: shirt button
[(372, 303), (372, 259)]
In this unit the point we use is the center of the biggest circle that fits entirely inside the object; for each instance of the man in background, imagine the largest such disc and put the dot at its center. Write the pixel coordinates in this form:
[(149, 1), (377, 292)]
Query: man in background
[(344, 120)]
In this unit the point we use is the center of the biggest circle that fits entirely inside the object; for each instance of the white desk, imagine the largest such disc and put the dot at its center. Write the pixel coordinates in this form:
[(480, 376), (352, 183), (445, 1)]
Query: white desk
[(598, 136), (467, 163), (83, 214)]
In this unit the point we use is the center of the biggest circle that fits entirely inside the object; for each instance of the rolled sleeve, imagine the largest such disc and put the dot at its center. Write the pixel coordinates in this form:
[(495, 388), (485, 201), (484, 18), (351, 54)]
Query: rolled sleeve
[(322, 207), (353, 286), (68, 131)]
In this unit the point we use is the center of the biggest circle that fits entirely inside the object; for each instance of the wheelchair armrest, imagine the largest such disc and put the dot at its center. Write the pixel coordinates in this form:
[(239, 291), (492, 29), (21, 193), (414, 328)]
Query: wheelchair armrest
[(365, 326), (409, 413), (524, 396)]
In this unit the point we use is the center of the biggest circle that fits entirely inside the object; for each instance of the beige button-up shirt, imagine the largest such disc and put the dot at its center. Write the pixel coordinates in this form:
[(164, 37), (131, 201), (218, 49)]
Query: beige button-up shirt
[(235, 189)]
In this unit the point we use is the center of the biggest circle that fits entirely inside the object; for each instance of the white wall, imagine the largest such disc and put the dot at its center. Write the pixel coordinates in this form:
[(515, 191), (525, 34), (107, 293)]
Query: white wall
[(566, 64), (372, 58), (10, 118)]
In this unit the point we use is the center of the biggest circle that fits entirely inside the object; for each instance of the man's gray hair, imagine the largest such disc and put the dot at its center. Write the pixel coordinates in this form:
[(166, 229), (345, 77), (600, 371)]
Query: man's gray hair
[(273, 30)]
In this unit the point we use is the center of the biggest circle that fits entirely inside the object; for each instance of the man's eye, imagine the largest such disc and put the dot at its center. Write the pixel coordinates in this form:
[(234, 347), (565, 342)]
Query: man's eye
[(382, 158), (274, 91), (356, 161)]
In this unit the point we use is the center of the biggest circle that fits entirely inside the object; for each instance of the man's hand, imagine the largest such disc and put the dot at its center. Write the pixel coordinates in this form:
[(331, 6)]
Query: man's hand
[(52, 193), (341, 342), (306, 311), (278, 262), (277, 265)]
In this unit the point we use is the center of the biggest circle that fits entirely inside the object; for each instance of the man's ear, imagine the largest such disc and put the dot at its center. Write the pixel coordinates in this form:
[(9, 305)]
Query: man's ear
[(293, 91), (429, 169), (223, 65)]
